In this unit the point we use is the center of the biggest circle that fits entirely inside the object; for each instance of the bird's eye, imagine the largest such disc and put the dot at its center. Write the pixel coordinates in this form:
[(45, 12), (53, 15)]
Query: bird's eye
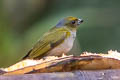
[(73, 22)]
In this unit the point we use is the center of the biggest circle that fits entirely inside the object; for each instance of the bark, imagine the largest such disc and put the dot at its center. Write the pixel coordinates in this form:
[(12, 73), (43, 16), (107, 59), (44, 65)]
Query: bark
[(75, 75), (87, 66)]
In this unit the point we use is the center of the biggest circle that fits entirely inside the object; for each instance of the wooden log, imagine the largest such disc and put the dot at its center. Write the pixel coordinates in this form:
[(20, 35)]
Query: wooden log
[(70, 63), (87, 66), (74, 75)]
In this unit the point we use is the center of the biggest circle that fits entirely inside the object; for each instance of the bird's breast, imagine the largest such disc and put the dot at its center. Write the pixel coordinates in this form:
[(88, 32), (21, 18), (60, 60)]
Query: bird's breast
[(64, 47), (68, 43)]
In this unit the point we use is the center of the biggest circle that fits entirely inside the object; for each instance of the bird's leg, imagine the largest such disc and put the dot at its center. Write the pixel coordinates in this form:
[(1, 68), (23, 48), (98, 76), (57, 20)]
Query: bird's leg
[(63, 55)]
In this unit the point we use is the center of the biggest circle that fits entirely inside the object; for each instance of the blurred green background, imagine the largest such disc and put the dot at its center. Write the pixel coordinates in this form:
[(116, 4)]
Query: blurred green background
[(22, 22)]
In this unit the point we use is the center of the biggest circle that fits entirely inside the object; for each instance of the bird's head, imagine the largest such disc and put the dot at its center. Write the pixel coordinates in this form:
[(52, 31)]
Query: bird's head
[(71, 22)]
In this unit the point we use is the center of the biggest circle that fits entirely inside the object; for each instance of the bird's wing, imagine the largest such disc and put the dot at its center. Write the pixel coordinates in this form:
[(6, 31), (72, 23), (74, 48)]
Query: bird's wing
[(47, 43)]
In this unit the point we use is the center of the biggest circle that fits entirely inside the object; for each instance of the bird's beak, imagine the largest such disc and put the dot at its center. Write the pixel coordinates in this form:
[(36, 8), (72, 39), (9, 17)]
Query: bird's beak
[(79, 21)]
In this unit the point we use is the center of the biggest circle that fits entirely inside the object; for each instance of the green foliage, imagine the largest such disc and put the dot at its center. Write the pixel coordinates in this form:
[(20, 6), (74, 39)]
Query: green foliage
[(21, 27)]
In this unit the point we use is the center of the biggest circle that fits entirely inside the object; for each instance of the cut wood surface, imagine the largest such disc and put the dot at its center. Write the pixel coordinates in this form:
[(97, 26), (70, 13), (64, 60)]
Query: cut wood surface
[(75, 75), (87, 66), (86, 61)]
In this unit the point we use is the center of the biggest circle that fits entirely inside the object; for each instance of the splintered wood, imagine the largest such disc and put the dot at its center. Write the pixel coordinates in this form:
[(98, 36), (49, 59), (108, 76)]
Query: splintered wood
[(86, 61)]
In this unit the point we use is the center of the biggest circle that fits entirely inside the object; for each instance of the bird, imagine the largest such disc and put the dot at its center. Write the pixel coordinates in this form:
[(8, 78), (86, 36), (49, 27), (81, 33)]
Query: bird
[(58, 40)]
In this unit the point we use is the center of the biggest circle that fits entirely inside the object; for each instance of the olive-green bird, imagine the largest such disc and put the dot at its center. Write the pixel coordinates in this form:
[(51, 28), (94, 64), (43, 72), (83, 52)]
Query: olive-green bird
[(57, 40)]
